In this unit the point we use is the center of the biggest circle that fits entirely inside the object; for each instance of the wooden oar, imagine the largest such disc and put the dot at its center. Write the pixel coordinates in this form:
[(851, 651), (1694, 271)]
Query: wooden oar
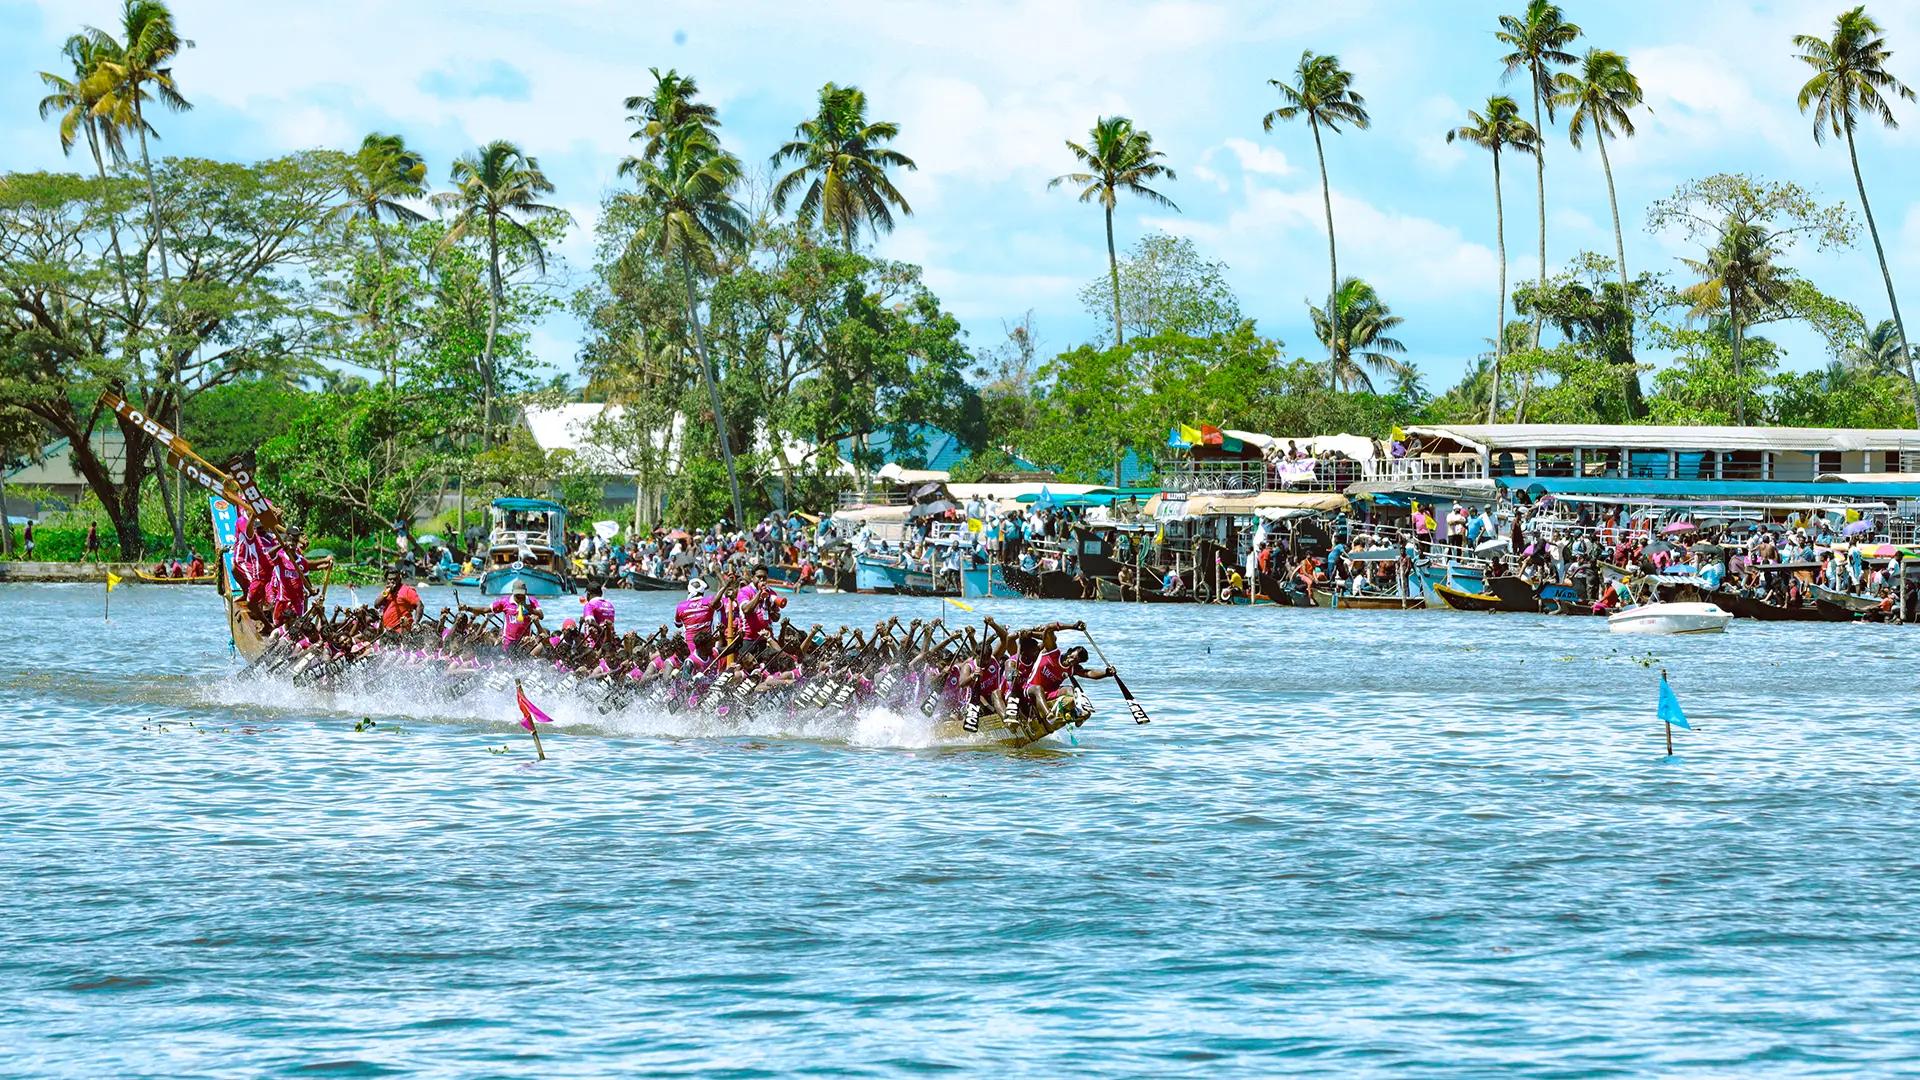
[(1139, 711)]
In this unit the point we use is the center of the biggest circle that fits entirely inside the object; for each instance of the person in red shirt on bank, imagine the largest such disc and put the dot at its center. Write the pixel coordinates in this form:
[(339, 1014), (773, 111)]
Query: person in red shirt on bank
[(399, 603)]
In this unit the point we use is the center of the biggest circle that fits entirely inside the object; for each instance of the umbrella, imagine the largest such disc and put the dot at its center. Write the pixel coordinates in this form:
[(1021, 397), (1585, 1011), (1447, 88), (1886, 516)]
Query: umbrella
[(1708, 549), (925, 490), (430, 539), (1678, 527), (606, 530), (931, 509), (1658, 545), (1864, 525), (1497, 544), (678, 534)]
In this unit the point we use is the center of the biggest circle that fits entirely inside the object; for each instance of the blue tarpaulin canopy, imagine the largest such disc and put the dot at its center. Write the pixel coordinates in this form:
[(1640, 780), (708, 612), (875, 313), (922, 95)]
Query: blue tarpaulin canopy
[(1706, 489), (1096, 497)]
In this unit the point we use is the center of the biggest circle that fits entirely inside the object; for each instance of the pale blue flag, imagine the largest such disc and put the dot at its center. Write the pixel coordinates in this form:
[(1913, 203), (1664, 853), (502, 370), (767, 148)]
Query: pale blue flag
[(1670, 706)]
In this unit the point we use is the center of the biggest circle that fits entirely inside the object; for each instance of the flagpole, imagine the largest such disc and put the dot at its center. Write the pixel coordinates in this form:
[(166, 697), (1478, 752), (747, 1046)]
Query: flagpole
[(1664, 720)]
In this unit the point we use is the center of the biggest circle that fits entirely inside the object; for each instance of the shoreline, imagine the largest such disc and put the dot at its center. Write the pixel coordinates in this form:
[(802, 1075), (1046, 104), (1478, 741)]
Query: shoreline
[(72, 572)]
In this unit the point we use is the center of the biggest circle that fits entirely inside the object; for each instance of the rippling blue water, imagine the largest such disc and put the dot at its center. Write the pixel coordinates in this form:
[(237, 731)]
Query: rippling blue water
[(1351, 842)]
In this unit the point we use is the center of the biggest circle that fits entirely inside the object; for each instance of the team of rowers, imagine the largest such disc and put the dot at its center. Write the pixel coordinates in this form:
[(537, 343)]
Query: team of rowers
[(731, 649)]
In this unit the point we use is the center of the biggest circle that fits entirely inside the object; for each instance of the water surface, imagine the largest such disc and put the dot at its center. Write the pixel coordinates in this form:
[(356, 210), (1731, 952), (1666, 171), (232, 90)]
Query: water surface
[(1350, 843)]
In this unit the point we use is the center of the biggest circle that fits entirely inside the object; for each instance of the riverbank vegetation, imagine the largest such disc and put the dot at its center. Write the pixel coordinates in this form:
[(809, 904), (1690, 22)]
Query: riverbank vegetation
[(359, 321)]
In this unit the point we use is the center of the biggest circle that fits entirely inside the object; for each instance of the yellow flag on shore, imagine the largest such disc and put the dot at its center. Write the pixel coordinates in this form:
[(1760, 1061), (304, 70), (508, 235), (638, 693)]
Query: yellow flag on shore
[(112, 580), (975, 525)]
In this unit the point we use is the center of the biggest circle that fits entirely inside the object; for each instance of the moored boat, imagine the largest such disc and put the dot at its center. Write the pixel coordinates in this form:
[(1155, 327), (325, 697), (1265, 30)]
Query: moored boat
[(1367, 601), (1461, 600), (527, 546), (1670, 618)]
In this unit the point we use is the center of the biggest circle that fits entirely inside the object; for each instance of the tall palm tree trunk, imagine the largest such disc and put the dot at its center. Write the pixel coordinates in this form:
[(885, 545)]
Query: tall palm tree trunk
[(1333, 260), (1873, 230), (1540, 191), (493, 329), (162, 368), (1500, 313), (713, 394), (1631, 378), (1739, 361), (1113, 274)]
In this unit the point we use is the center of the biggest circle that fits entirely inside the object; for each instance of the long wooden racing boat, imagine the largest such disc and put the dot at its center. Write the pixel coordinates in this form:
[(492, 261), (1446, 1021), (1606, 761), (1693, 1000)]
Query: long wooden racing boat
[(1461, 600)]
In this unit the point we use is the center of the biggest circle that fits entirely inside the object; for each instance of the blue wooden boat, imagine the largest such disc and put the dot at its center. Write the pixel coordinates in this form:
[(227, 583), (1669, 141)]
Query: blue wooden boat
[(528, 545), (879, 573), (985, 582)]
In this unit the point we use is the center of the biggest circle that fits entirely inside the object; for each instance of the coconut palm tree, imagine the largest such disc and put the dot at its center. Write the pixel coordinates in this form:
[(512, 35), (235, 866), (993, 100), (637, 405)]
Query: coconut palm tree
[(496, 191), (1355, 333), (1850, 80), (1601, 98), (686, 190), (1738, 280), (130, 71), (1538, 39), (1879, 352), (1118, 157), (843, 156), (671, 106), (1322, 92), (383, 172), (1498, 127), (74, 101)]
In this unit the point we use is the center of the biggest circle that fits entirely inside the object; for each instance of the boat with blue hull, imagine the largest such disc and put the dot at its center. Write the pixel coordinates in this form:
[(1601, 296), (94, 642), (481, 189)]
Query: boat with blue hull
[(984, 583), (880, 573), (528, 545)]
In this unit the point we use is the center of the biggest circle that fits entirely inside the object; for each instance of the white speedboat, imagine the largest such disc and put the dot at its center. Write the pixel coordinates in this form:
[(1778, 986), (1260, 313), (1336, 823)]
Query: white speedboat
[(1673, 618)]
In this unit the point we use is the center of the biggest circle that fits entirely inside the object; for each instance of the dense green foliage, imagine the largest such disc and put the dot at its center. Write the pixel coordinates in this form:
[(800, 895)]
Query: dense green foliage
[(367, 339)]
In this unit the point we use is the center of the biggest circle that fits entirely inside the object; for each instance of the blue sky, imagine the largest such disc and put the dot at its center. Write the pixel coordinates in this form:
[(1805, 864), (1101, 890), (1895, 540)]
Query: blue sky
[(986, 92)]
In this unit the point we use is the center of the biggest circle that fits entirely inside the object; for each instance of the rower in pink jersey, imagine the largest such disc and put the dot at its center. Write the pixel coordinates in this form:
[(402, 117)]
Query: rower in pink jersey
[(695, 614)]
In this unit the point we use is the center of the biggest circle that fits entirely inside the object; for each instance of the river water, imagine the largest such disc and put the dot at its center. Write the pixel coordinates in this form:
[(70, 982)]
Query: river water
[(1350, 842)]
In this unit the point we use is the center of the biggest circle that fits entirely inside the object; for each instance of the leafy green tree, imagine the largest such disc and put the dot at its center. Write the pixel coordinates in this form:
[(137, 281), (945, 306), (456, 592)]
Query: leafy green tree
[(1850, 80), (1746, 226), (1837, 396), (1702, 386), (1596, 317), (842, 159), (353, 462), (1117, 157), (1539, 38), (241, 305), (1322, 92), (1498, 127), (1356, 328), (1168, 287), (1602, 99), (496, 193)]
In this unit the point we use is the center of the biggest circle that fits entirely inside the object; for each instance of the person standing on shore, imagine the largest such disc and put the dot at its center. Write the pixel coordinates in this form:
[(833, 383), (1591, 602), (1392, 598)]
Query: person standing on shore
[(28, 539), (93, 541)]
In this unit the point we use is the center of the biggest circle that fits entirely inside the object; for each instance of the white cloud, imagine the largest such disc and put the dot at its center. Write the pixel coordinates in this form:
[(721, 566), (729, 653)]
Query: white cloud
[(1258, 159)]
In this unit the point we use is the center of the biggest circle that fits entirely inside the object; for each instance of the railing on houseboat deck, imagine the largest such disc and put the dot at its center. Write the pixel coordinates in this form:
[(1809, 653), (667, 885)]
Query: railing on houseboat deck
[(849, 500)]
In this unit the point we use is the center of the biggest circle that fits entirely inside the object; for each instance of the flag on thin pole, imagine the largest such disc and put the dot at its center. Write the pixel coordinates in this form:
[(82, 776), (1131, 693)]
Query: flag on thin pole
[(958, 604), (1669, 711), (531, 715), (106, 609)]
